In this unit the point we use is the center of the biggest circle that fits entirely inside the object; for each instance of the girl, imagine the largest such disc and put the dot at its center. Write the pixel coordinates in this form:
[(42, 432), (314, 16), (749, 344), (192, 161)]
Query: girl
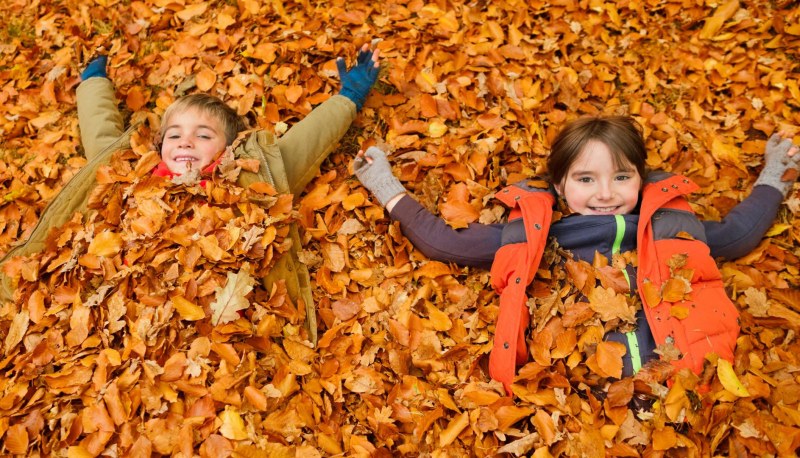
[(597, 169)]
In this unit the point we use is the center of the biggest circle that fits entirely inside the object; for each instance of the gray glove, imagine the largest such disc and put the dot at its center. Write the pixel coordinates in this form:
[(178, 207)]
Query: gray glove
[(376, 175), (777, 162)]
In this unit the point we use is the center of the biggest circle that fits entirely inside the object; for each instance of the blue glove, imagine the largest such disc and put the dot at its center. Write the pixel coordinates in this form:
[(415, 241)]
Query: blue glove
[(357, 82), (96, 67)]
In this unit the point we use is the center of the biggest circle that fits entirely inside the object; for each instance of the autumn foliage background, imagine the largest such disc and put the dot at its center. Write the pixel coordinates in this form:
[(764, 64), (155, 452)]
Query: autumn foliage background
[(469, 97)]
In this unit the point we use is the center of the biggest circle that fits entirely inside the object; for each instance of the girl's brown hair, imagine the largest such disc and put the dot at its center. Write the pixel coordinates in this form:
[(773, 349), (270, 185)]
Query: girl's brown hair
[(212, 106), (622, 135)]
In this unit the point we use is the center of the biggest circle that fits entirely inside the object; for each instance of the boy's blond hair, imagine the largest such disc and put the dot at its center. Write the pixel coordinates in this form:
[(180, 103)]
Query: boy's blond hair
[(212, 106)]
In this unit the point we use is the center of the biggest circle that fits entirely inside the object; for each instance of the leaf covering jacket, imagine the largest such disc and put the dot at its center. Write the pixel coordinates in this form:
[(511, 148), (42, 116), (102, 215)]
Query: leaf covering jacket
[(664, 222), (288, 163)]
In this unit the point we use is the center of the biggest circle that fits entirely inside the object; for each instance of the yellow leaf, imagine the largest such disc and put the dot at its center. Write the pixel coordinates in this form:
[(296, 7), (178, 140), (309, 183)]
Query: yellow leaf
[(231, 298), (453, 429), (609, 305), (439, 319), (724, 152), (187, 310), (353, 201), (715, 22), (191, 11), (793, 29), (224, 20), (727, 376), (77, 451), (232, 425), (19, 326), (436, 129), (106, 244), (778, 228)]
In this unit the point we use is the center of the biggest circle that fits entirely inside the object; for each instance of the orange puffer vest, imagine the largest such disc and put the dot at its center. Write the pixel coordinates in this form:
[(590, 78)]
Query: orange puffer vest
[(666, 223)]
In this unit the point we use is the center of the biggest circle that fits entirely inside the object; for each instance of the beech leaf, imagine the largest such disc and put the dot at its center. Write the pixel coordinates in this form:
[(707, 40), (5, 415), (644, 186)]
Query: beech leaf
[(231, 298)]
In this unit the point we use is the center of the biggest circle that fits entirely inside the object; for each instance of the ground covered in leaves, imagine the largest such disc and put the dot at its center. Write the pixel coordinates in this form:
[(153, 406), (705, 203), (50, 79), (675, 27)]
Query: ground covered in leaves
[(206, 362)]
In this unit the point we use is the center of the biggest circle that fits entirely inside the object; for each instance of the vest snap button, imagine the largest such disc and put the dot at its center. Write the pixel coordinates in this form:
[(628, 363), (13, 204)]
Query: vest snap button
[(664, 189), (516, 197), (537, 226), (505, 345), (517, 280), (686, 180), (505, 190), (675, 186)]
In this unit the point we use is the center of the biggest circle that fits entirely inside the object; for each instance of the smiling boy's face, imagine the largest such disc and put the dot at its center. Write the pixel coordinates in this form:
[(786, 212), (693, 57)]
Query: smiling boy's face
[(192, 140)]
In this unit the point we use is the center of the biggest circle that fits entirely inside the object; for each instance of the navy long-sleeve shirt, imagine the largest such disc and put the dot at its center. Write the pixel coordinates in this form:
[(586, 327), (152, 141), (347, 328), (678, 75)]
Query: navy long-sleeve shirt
[(736, 235)]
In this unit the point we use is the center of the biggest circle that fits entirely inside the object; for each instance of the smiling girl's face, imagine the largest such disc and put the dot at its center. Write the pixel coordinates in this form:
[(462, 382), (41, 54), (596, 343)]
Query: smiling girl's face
[(192, 140), (596, 185)]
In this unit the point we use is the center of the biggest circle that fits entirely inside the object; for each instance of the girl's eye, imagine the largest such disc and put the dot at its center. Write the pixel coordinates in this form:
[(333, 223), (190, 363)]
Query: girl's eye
[(584, 180), (623, 177)]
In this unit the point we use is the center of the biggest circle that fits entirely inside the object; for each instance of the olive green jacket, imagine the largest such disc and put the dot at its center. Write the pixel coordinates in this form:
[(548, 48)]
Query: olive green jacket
[(289, 163)]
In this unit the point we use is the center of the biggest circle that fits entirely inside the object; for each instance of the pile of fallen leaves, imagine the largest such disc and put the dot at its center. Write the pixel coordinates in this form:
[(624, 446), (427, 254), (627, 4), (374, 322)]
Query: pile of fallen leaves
[(127, 339), (136, 311)]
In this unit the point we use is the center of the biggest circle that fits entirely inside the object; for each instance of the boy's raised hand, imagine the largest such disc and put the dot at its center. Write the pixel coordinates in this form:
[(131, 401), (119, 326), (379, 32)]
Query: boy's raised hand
[(357, 82), (780, 156), (374, 171), (97, 67)]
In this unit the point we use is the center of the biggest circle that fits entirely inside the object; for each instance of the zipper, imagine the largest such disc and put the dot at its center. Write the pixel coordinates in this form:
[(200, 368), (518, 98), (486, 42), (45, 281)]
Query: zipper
[(633, 341)]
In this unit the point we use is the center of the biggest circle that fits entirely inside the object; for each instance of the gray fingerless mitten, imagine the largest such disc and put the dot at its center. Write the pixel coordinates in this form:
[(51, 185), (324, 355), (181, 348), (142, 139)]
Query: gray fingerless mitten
[(377, 176), (777, 162)]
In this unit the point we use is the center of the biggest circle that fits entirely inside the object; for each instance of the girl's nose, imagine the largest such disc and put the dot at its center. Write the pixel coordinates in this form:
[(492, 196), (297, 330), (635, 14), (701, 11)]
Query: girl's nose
[(604, 191)]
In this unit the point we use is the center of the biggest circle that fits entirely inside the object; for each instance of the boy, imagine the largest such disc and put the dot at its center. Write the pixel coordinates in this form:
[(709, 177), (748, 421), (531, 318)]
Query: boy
[(195, 130)]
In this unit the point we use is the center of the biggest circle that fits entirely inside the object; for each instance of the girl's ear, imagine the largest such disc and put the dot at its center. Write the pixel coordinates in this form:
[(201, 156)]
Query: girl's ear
[(559, 187)]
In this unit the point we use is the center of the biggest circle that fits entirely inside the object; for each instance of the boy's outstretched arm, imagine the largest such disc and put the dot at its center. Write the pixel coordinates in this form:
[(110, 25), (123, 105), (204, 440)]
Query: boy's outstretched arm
[(98, 114), (308, 143)]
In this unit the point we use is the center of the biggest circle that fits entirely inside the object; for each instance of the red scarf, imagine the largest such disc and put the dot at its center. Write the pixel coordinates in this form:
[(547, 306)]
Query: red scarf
[(162, 170)]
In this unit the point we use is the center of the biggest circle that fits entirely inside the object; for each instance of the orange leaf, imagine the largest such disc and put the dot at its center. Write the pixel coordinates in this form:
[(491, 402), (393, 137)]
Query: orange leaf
[(607, 359), (675, 289), (16, 440), (136, 98), (293, 93), (652, 296), (205, 79), (664, 439)]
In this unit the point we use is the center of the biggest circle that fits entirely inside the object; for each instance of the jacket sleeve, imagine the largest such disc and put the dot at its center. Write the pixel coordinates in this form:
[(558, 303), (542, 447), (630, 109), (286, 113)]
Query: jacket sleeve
[(98, 115), (473, 246), (308, 143), (742, 229)]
